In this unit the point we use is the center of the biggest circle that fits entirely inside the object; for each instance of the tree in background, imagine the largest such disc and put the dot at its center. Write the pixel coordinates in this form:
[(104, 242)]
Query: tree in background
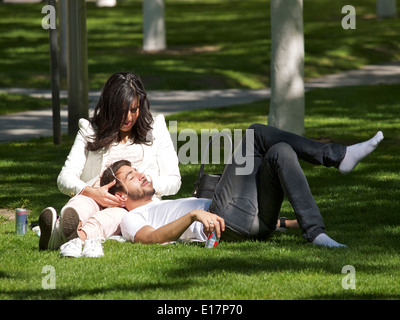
[(386, 8), (154, 38), (287, 66)]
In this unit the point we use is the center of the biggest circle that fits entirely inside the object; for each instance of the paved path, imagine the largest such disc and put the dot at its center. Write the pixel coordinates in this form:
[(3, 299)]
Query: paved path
[(32, 124)]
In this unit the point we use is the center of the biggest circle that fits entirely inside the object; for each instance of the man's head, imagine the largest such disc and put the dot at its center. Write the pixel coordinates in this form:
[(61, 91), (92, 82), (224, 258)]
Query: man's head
[(130, 185)]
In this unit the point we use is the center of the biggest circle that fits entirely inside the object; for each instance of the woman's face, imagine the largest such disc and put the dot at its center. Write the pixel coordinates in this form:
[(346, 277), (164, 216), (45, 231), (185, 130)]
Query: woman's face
[(131, 118)]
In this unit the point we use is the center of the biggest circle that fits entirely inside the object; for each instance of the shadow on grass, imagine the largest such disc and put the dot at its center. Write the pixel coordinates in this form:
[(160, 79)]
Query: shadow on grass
[(354, 295), (76, 293)]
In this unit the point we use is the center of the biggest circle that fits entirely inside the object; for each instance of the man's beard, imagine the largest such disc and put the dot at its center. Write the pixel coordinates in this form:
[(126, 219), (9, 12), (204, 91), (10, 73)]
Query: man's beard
[(141, 194)]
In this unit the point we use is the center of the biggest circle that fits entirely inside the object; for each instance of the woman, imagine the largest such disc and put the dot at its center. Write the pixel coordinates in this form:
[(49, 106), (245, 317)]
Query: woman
[(122, 127)]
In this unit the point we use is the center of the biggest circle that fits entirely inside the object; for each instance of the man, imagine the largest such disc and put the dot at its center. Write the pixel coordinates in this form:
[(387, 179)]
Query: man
[(163, 221), (244, 206)]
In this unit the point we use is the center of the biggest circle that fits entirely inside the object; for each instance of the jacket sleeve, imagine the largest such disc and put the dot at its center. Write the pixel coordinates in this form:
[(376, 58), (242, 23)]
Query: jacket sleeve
[(168, 182), (68, 180)]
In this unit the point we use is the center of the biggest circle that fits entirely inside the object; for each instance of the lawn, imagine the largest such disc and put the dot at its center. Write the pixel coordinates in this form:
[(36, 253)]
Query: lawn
[(212, 44), (360, 210)]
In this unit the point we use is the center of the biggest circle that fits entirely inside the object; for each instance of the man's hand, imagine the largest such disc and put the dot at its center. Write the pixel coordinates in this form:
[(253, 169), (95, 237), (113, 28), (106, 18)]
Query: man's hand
[(211, 222)]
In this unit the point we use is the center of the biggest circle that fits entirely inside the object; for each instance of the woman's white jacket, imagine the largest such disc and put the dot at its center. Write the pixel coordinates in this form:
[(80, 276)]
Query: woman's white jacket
[(82, 167)]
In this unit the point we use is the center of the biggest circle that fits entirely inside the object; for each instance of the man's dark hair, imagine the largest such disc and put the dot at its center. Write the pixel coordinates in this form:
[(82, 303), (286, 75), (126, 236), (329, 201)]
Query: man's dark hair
[(110, 173)]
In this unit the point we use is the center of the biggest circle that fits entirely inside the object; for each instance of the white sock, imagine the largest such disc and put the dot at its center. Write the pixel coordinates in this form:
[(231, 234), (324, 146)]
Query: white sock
[(357, 152), (325, 241)]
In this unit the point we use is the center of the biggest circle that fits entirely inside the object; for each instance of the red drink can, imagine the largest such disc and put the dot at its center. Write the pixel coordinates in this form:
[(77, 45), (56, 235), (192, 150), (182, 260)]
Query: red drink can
[(20, 221)]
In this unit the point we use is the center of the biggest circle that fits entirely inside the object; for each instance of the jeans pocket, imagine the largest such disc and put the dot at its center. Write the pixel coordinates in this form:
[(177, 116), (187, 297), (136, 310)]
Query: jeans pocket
[(239, 215)]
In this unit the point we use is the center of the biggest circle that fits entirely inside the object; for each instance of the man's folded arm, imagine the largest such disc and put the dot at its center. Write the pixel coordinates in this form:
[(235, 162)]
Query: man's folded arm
[(173, 230), (170, 232)]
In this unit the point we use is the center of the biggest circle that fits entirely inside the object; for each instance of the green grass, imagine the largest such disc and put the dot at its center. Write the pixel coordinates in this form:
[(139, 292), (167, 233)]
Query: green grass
[(212, 44), (360, 210)]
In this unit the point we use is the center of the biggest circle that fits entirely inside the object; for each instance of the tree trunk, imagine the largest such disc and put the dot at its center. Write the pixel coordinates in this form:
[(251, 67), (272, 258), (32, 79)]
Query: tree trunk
[(77, 67), (287, 66), (386, 8), (153, 25), (106, 3)]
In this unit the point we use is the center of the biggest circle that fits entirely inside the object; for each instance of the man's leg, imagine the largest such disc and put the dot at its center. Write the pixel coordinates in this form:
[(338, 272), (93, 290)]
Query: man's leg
[(281, 174), (314, 152), (235, 197), (356, 152), (344, 158)]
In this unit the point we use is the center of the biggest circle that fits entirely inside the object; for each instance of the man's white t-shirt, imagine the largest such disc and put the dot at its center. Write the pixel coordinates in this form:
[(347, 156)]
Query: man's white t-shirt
[(159, 213)]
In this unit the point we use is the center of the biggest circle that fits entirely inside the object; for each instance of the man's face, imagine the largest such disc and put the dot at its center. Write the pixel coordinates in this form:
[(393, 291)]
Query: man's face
[(137, 184)]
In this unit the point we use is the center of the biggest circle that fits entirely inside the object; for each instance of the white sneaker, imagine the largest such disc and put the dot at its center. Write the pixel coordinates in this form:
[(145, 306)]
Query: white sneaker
[(93, 248), (72, 248)]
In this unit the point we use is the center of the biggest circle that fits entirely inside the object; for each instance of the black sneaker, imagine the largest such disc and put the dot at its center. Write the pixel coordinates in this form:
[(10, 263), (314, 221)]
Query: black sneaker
[(69, 223), (49, 236)]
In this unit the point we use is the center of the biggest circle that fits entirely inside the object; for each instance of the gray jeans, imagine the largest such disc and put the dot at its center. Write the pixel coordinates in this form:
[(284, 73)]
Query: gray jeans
[(250, 203)]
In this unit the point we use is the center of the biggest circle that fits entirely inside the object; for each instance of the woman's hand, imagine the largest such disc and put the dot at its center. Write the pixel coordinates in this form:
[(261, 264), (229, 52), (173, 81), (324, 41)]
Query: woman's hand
[(103, 197)]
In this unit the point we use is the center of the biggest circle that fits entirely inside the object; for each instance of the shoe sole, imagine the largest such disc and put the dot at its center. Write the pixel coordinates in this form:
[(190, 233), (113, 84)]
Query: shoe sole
[(47, 222), (69, 255), (92, 255), (69, 223)]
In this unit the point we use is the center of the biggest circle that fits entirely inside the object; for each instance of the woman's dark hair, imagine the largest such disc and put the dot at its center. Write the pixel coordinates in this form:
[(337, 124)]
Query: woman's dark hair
[(109, 175), (120, 92)]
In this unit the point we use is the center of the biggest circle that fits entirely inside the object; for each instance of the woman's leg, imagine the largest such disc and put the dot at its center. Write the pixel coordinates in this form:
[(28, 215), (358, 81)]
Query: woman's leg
[(84, 206), (95, 222), (104, 224)]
